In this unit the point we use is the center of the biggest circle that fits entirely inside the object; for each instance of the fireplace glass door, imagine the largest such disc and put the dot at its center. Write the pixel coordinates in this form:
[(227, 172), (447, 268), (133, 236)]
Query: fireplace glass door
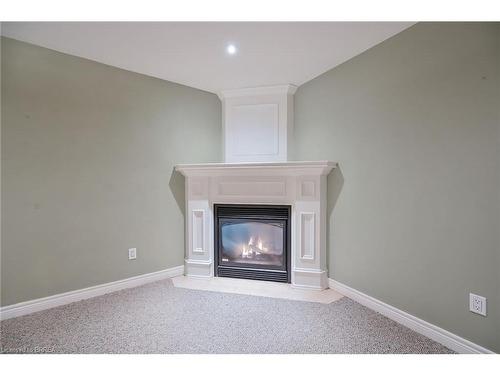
[(252, 242), (248, 243)]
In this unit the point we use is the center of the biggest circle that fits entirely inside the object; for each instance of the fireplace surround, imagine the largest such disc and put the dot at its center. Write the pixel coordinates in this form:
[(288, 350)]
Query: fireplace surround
[(252, 242), (257, 132), (299, 185)]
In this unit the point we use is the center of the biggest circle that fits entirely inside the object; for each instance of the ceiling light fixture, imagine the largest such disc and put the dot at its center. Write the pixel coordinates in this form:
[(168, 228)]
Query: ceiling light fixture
[(231, 49)]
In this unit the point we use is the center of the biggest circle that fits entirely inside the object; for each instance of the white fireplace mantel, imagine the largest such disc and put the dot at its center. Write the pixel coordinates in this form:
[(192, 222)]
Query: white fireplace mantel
[(302, 185)]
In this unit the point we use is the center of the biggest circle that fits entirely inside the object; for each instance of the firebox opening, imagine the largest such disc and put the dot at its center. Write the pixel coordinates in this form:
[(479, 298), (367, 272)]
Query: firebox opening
[(252, 242)]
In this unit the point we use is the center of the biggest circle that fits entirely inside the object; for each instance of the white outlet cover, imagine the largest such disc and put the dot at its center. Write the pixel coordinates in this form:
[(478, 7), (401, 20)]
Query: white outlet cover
[(132, 253), (477, 304)]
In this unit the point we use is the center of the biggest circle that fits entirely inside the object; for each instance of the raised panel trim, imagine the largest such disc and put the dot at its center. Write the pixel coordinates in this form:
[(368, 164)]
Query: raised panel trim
[(235, 140), (307, 189), (307, 234), (198, 227), (196, 188), (255, 188)]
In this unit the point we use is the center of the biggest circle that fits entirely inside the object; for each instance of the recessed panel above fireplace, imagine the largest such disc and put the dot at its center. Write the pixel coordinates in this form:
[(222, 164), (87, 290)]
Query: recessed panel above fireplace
[(252, 242)]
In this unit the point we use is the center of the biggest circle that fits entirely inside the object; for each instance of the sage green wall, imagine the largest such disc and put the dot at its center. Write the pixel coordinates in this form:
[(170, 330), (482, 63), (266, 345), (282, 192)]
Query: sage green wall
[(414, 124), (87, 158)]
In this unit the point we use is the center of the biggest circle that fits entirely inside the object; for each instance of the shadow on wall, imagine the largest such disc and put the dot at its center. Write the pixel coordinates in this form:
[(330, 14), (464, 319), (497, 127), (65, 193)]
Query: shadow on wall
[(335, 185), (176, 185)]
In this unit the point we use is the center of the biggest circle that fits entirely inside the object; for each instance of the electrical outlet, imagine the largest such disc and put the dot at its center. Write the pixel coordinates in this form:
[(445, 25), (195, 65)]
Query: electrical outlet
[(477, 304), (132, 254)]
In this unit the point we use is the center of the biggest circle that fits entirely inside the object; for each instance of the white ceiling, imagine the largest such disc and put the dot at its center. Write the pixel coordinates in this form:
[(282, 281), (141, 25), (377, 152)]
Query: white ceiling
[(194, 54)]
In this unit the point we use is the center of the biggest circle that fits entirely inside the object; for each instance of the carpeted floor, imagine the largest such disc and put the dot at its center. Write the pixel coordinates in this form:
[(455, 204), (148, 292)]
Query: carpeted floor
[(159, 318)]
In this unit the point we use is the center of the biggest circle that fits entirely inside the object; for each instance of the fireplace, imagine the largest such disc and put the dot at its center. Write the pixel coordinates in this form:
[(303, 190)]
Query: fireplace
[(252, 242), (223, 195)]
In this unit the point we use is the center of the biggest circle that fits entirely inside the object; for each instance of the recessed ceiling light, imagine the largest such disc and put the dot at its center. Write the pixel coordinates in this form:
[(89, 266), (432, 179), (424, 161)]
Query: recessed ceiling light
[(231, 49)]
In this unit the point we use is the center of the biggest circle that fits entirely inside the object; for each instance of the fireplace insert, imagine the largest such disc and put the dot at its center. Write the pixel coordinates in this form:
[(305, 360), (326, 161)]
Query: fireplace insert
[(252, 242)]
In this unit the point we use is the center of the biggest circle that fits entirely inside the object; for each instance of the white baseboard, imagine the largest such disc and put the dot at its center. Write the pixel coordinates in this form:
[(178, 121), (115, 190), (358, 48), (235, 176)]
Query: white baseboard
[(446, 338), (28, 307)]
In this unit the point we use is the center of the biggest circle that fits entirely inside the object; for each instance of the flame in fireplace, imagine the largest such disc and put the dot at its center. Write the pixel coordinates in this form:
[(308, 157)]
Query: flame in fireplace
[(254, 247), (259, 244)]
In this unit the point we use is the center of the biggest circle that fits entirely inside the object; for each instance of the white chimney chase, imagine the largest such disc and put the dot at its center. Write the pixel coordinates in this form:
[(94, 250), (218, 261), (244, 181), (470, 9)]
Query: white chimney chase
[(258, 124)]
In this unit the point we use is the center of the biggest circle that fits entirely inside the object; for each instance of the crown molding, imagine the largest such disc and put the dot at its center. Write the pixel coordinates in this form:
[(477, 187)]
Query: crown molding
[(257, 91)]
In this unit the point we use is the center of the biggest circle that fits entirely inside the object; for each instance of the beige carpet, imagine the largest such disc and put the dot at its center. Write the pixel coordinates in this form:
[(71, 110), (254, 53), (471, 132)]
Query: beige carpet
[(160, 318)]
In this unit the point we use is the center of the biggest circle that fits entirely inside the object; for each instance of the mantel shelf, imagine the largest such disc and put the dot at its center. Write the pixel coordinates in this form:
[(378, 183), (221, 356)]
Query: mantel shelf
[(321, 167)]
